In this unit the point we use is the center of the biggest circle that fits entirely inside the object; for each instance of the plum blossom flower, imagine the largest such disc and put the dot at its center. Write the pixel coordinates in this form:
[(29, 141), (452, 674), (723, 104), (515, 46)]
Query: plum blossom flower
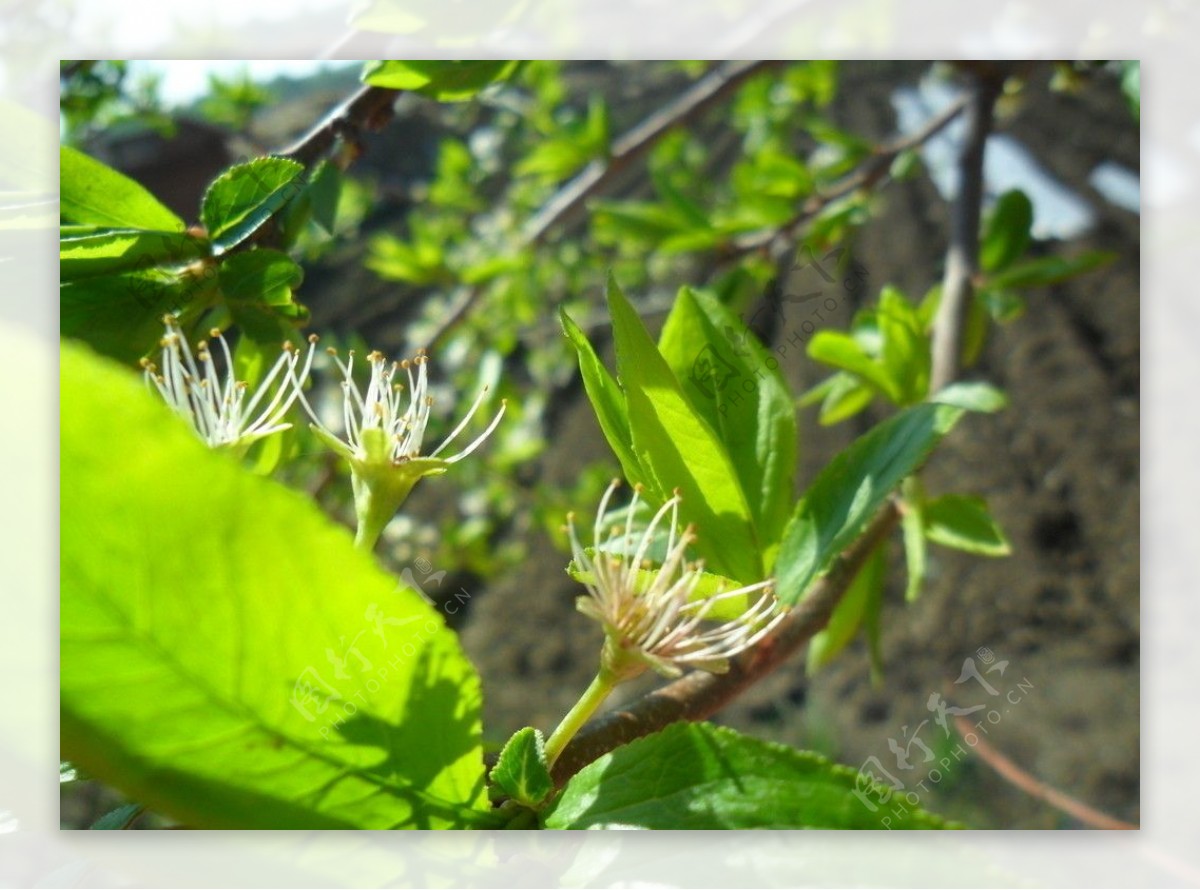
[(387, 423), (384, 436), (653, 617), (220, 409)]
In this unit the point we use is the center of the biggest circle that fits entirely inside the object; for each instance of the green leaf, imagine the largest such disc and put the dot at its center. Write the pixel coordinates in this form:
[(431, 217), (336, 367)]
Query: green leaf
[(963, 522), (912, 523), (1131, 86), (864, 594), (109, 252), (607, 399), (699, 776), (906, 349), (119, 819), (851, 489), (258, 286), (677, 449), (227, 656), (1002, 305), (324, 190), (522, 771), (94, 193), (843, 351), (734, 383), (1006, 234), (973, 396), (445, 81), (1049, 270), (245, 196), (613, 221), (846, 397), (121, 315)]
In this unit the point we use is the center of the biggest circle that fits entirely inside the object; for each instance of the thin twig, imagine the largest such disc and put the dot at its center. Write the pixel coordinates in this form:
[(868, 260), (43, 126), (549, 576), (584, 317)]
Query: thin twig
[(1035, 788), (368, 109), (699, 695), (567, 205), (866, 176), (962, 259)]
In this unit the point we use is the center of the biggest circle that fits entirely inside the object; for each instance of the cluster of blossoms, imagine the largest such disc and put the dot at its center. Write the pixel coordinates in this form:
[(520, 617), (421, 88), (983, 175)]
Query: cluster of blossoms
[(653, 617), (384, 426)]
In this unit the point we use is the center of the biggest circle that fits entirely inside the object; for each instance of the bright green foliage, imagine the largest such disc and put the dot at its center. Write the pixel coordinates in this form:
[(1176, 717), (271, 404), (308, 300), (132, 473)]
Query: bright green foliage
[(608, 401), (1049, 270), (125, 260), (444, 81), (522, 772), (912, 524), (258, 286), (245, 196), (735, 384), (861, 603), (121, 315), (91, 193), (578, 142), (114, 251), (699, 776), (964, 523), (676, 449), (1006, 233), (887, 350), (226, 656), (851, 489), (972, 395)]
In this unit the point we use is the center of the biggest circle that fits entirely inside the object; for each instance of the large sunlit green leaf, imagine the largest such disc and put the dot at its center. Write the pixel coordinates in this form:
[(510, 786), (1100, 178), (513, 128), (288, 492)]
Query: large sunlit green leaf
[(736, 386), (228, 657), (699, 776), (677, 449), (112, 251), (245, 196), (92, 193), (121, 315), (851, 489)]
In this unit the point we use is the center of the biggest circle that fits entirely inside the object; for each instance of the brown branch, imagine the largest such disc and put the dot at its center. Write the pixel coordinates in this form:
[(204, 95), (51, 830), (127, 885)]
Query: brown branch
[(368, 109), (1035, 788), (566, 206), (699, 695), (962, 258)]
